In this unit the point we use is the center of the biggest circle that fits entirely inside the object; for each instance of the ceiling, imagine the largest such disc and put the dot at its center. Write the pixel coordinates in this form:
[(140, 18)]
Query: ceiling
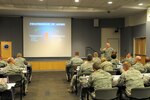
[(68, 8)]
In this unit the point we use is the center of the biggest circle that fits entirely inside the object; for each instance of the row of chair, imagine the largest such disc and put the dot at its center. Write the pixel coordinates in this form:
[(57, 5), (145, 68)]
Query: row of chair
[(111, 94)]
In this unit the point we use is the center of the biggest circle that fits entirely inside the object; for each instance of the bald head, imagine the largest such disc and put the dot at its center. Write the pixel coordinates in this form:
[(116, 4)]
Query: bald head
[(10, 60), (138, 58)]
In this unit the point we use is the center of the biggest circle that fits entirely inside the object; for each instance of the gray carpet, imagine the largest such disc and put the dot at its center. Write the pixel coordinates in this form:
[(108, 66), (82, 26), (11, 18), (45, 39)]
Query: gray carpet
[(49, 86)]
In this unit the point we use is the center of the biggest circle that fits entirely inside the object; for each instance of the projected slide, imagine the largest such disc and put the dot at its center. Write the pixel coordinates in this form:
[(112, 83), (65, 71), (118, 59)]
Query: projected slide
[(47, 37)]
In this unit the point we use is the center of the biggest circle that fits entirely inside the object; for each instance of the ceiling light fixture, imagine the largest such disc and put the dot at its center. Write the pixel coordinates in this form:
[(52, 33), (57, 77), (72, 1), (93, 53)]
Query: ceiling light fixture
[(140, 4), (76, 0), (109, 2), (41, 0)]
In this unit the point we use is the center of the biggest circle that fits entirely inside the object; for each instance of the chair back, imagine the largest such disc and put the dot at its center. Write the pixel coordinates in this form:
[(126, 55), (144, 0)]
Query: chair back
[(140, 93), (106, 94), (14, 78), (112, 72)]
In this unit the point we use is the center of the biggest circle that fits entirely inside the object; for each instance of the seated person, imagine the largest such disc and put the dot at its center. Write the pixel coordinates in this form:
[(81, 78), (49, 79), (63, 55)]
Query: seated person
[(85, 69), (12, 69), (129, 59), (99, 78), (138, 65), (106, 65), (72, 64), (96, 58), (20, 61), (114, 61), (3, 63), (147, 65), (130, 78)]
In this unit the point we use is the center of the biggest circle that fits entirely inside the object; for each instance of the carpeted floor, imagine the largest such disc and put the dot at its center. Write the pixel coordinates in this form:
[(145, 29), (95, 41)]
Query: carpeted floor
[(49, 86)]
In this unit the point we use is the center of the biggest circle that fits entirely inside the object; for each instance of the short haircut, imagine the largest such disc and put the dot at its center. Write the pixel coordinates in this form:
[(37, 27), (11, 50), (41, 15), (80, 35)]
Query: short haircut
[(19, 55), (77, 53), (147, 59), (95, 54), (10, 59), (96, 66), (89, 57)]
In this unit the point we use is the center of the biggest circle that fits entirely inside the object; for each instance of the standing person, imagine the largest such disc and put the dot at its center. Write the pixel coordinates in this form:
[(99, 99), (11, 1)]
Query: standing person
[(72, 64), (130, 78), (107, 51), (96, 58), (138, 65)]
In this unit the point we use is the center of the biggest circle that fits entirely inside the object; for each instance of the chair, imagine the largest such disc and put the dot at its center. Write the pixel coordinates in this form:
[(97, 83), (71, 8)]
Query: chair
[(112, 72), (17, 78), (140, 93), (105, 94)]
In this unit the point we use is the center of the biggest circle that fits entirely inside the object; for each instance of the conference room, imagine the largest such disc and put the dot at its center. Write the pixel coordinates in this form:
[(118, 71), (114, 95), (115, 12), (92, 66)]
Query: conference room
[(54, 49)]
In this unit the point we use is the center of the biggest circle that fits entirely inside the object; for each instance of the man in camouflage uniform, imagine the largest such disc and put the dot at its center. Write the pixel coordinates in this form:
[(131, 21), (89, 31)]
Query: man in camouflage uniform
[(99, 78), (12, 69), (85, 69), (3, 63), (147, 65), (96, 58), (114, 61), (107, 51), (138, 65), (20, 61), (72, 65), (130, 78), (106, 65), (129, 59)]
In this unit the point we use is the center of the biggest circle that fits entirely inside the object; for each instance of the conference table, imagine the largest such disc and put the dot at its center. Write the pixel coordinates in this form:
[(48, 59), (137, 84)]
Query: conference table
[(83, 80)]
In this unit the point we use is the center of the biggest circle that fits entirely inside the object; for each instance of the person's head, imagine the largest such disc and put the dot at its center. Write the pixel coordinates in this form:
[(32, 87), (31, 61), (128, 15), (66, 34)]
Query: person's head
[(147, 59), (138, 59), (10, 60), (96, 66), (126, 65), (89, 57), (76, 53), (95, 54), (128, 55), (107, 45), (103, 59), (19, 55)]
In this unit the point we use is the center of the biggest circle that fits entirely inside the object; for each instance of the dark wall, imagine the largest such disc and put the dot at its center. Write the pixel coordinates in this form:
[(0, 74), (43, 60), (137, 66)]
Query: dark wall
[(148, 38), (126, 40), (11, 30), (128, 35), (84, 34)]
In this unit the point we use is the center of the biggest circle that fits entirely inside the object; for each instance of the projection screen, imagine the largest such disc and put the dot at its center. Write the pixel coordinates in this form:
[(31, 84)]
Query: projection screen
[(46, 37)]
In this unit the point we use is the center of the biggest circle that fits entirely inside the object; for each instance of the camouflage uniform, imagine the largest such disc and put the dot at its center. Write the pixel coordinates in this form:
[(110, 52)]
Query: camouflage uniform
[(131, 79), (100, 79), (147, 67), (139, 66), (106, 66), (115, 62), (130, 60), (3, 87), (86, 68), (107, 53), (96, 59), (19, 61), (3, 63), (75, 61)]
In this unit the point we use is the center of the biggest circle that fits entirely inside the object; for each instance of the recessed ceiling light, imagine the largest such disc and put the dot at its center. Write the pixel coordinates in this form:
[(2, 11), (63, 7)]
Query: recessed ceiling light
[(41, 0), (110, 2), (140, 4), (76, 0)]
